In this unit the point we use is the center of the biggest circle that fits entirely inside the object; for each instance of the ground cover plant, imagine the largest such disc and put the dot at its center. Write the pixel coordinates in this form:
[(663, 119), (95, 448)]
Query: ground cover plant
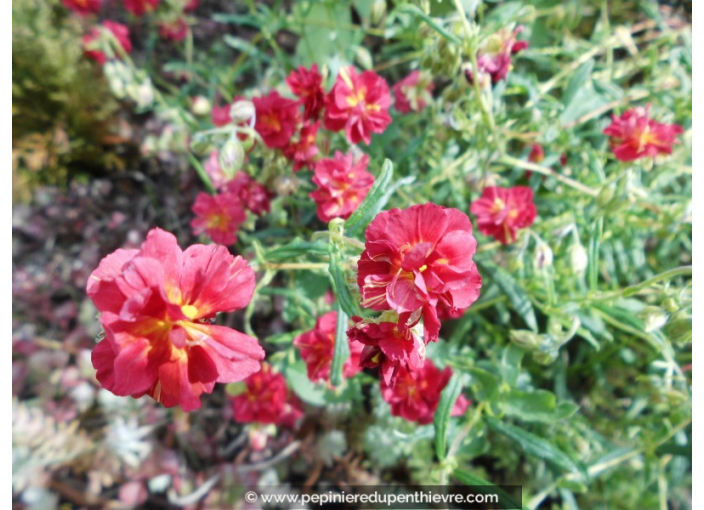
[(352, 243)]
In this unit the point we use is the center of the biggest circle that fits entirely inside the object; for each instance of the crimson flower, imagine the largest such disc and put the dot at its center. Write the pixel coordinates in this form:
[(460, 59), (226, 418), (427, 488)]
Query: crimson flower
[(220, 216), (413, 92), (359, 104), (501, 212), (175, 30), (304, 150), (388, 347), (537, 153), (83, 7), (416, 260), (140, 7), (155, 306), (220, 115), (266, 399), (494, 56), (342, 185), (317, 346), (415, 395), (308, 87), (277, 119), (635, 135), (255, 197), (121, 33)]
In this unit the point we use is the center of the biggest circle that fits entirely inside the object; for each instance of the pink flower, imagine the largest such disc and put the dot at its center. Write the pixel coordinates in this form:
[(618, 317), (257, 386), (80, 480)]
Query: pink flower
[(190, 6), (83, 7), (308, 87), (175, 30), (220, 115), (342, 185), (220, 216), (155, 306), (359, 104), (415, 396), (266, 399), (416, 260), (413, 92), (304, 150), (387, 347), (317, 347), (635, 135), (494, 57), (121, 33), (140, 7), (501, 212), (253, 196), (277, 119)]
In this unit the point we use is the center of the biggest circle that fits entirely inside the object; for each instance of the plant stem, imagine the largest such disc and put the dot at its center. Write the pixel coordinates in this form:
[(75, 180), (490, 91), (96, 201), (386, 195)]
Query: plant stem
[(526, 165)]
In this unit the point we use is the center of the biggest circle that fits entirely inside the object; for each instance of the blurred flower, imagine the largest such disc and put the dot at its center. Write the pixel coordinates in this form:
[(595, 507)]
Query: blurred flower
[(83, 7), (416, 258), (359, 104), (220, 216), (91, 40), (173, 30), (304, 150), (494, 56), (231, 157), (415, 395), (254, 196), (537, 154), (200, 105), (413, 92), (307, 86), (277, 119), (317, 347), (140, 7), (387, 347), (635, 135), (501, 212), (191, 5), (342, 185), (266, 399), (155, 304)]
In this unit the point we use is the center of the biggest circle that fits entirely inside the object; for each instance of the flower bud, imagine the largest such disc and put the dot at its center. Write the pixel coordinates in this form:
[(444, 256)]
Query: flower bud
[(145, 94), (542, 258), (670, 305), (378, 11), (242, 111), (231, 157), (653, 317), (286, 185), (200, 106), (578, 258), (200, 144), (525, 338)]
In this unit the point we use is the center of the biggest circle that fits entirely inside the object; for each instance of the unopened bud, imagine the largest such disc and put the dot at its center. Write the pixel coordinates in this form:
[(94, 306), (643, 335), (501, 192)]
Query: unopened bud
[(200, 144), (578, 258), (145, 94), (525, 338), (670, 305), (286, 185), (200, 106), (378, 11), (231, 157), (606, 195), (543, 257), (242, 111), (653, 317)]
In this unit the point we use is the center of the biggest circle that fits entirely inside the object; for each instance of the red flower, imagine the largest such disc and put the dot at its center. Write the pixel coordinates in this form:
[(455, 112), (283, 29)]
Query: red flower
[(83, 7), (494, 57), (308, 86), (121, 33), (266, 399), (277, 119), (220, 115), (413, 92), (501, 212), (387, 347), (342, 185), (537, 153), (190, 6), (140, 7), (416, 260), (303, 151), (175, 30), (220, 216), (317, 347), (359, 104), (155, 304), (635, 135), (253, 196), (415, 395)]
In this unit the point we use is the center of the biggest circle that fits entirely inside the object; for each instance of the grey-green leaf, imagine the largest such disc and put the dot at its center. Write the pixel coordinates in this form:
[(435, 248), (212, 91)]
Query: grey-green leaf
[(442, 415)]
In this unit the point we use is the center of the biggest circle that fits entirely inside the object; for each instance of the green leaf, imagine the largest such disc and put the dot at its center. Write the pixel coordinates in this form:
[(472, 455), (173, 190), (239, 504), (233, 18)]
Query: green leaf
[(297, 248), (442, 414), (534, 445), (342, 292), (585, 100), (309, 392), (246, 47), (416, 11), (516, 295), (342, 351), (376, 199), (536, 406), (467, 478), (283, 338), (485, 385)]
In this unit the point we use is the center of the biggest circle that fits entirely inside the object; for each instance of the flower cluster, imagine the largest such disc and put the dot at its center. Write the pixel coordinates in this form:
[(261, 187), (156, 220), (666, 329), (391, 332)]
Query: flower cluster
[(501, 212), (495, 54), (156, 307), (635, 135)]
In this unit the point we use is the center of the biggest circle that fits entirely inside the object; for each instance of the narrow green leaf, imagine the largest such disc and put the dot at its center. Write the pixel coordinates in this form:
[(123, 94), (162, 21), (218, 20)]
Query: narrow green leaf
[(297, 248), (342, 351), (416, 11), (516, 295), (442, 415), (534, 445), (468, 478), (342, 292), (536, 406)]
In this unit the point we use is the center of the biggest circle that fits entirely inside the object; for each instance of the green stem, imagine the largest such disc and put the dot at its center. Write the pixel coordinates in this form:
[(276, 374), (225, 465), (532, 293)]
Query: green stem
[(527, 165)]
